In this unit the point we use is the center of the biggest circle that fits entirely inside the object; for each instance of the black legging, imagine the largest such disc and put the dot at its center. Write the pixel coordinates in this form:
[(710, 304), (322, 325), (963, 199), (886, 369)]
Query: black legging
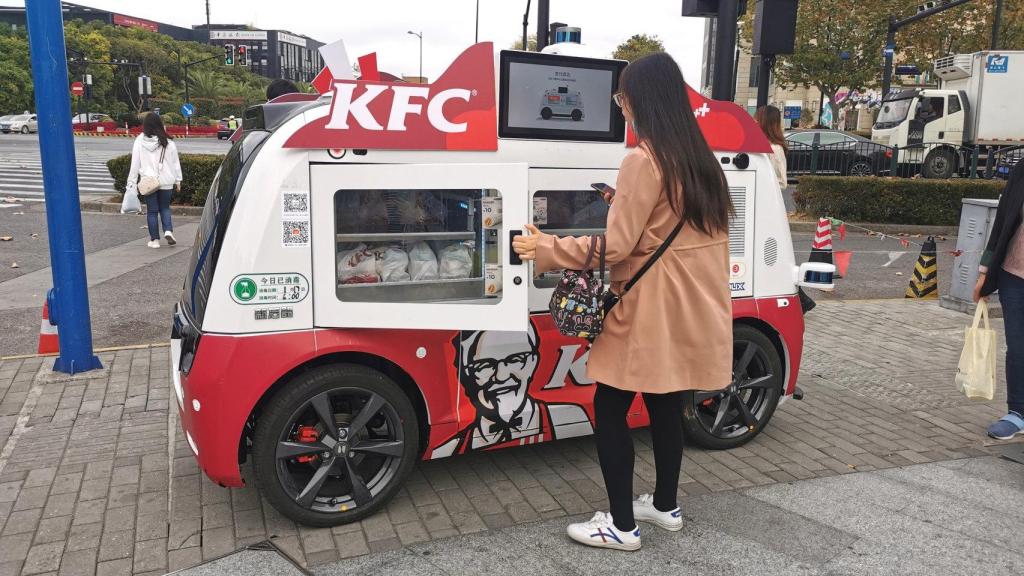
[(615, 448)]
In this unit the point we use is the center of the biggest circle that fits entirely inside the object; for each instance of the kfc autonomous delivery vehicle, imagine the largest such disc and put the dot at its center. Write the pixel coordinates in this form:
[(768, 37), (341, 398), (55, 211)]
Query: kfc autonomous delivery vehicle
[(353, 303)]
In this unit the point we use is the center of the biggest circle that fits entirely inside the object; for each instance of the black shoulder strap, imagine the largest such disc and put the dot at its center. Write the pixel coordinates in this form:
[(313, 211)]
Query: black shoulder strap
[(654, 257)]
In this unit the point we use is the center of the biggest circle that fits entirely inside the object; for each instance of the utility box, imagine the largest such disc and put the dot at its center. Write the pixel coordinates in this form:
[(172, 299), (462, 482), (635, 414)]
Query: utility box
[(976, 220)]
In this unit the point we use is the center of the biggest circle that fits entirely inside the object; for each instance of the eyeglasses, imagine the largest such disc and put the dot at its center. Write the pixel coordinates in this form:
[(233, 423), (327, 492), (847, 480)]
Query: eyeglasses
[(617, 98)]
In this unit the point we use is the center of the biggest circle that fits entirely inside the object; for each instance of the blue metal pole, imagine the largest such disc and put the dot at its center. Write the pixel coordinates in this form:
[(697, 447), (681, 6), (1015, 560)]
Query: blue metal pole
[(69, 301)]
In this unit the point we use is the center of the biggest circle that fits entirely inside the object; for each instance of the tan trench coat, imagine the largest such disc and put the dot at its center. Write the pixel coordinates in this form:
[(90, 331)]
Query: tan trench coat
[(673, 330)]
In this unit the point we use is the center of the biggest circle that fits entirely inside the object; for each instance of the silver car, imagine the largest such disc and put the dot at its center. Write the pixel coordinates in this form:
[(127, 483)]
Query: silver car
[(23, 123)]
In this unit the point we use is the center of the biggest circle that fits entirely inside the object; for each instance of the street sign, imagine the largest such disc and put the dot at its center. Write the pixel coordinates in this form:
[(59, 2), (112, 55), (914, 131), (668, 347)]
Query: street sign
[(77, 88), (791, 113), (907, 70), (888, 50), (187, 109)]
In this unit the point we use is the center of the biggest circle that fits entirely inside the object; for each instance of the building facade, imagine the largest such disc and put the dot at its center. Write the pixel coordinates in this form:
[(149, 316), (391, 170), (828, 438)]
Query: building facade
[(270, 53)]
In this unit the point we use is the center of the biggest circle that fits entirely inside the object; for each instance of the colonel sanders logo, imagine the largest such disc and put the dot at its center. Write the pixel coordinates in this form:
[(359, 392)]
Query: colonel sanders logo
[(496, 370)]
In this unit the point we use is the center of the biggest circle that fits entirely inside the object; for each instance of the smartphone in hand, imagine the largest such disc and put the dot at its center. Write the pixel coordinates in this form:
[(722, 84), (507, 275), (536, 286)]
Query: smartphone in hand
[(605, 190)]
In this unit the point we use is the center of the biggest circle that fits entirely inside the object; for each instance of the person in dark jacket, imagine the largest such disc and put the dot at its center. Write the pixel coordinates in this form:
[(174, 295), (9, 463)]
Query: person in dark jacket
[(1002, 269)]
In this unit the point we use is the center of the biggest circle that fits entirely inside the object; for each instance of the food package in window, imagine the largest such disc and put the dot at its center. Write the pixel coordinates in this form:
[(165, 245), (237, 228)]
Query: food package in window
[(357, 265), (392, 263), (456, 262), (422, 262), (490, 209)]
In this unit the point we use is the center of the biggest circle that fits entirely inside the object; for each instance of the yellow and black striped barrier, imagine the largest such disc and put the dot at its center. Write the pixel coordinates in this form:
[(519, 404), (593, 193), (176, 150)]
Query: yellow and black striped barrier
[(925, 283)]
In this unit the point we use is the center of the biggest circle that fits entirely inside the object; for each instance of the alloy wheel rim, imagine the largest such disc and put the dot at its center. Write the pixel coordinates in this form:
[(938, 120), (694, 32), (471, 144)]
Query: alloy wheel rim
[(738, 409), (351, 449)]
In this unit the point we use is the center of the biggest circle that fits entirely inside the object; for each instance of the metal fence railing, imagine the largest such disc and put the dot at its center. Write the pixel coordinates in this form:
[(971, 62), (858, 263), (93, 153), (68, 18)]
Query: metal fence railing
[(929, 160)]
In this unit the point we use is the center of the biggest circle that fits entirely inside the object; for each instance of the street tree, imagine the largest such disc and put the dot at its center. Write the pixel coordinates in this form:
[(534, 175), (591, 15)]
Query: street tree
[(836, 47), (637, 46), (531, 43)]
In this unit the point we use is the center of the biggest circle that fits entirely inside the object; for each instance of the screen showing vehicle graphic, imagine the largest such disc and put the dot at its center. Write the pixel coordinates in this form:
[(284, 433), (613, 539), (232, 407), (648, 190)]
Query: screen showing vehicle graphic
[(548, 96)]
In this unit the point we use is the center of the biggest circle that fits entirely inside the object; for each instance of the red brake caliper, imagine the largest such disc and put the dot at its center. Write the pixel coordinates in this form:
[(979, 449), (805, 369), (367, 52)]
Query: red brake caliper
[(308, 435)]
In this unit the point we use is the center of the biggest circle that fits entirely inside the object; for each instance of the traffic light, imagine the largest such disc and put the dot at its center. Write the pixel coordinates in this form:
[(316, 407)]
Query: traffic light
[(229, 54), (242, 55)]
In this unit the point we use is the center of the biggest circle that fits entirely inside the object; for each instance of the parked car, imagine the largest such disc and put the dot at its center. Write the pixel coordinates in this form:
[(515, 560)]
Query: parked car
[(91, 118), (23, 123), (223, 130), (837, 153), (1007, 161)]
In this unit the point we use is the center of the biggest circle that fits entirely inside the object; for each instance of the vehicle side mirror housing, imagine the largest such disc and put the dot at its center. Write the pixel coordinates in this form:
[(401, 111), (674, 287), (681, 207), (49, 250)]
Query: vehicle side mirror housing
[(816, 275)]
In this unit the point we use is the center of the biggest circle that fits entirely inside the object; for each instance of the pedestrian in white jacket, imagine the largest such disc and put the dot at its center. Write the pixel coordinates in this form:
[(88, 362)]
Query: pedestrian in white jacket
[(155, 155), (770, 120)]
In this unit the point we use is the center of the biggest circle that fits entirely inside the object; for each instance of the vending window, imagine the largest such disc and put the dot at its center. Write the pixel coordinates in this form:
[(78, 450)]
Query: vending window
[(568, 213), (426, 245)]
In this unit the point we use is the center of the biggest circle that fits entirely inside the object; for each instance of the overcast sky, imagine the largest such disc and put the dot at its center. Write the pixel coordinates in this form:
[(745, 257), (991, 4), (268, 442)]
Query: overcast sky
[(447, 25)]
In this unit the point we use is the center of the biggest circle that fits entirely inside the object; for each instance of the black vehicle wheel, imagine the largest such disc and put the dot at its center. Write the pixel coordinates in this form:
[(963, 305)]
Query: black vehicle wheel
[(860, 167), (545, 113), (939, 163), (577, 115), (334, 445), (24, 129), (733, 416)]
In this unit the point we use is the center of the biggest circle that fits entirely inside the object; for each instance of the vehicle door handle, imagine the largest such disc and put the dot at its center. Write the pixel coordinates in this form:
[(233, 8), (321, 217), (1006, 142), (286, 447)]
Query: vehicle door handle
[(513, 258)]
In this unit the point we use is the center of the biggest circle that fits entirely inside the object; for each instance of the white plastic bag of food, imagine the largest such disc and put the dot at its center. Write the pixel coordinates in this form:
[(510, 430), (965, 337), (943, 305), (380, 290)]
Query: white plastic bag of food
[(392, 264), (422, 262), (357, 266), (456, 262), (976, 372), (130, 204)]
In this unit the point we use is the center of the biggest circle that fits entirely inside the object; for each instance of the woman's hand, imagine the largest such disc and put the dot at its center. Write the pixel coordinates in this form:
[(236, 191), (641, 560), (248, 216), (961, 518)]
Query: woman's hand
[(526, 246), (177, 187), (977, 288)]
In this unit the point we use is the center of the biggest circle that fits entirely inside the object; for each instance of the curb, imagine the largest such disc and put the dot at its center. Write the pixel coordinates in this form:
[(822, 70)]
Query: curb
[(96, 351), (810, 227), (123, 135), (115, 208)]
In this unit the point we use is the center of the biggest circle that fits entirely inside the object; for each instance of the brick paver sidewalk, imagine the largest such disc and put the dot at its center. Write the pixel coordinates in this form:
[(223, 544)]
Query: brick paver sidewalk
[(88, 483)]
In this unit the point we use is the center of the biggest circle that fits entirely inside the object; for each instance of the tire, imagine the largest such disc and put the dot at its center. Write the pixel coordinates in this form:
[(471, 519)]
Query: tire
[(24, 129), (757, 386), (343, 391), (940, 163), (860, 167), (545, 113), (577, 115)]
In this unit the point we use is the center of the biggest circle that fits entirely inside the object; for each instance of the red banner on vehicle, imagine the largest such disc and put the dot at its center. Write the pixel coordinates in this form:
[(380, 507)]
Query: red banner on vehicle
[(457, 112), (726, 126)]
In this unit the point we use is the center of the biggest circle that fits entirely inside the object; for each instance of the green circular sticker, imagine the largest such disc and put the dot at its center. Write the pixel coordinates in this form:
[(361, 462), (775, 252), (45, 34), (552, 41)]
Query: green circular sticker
[(245, 289)]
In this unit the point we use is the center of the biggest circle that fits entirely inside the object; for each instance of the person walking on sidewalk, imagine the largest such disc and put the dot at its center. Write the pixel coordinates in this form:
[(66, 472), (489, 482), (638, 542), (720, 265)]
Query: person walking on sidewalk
[(1002, 269), (770, 121), (154, 155), (673, 331)]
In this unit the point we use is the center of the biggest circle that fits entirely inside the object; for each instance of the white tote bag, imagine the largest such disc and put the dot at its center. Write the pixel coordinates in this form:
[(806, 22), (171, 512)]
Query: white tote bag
[(976, 373)]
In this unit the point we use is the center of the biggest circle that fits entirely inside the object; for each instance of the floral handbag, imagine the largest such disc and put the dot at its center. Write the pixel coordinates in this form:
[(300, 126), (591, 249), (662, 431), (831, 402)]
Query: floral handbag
[(577, 305)]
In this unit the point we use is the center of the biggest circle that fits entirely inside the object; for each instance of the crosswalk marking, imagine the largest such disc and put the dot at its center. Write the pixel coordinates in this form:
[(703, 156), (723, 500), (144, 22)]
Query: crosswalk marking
[(21, 177)]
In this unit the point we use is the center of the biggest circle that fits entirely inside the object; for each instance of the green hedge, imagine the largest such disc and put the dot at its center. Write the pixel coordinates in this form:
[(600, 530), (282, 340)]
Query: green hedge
[(890, 200), (197, 172)]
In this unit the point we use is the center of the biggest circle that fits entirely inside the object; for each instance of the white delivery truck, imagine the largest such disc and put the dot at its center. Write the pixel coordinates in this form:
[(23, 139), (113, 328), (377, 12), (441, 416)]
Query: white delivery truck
[(938, 130), (353, 304)]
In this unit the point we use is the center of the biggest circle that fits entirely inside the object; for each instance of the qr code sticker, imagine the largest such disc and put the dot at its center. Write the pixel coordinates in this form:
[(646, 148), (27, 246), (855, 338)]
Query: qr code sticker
[(295, 233), (295, 203)]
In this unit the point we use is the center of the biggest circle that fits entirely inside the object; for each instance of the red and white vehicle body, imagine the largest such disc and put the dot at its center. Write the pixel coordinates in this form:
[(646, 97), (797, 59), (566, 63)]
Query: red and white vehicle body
[(477, 360)]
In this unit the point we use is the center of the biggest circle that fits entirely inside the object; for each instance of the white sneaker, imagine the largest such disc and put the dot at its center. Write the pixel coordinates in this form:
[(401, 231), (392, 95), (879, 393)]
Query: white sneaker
[(169, 236), (644, 511), (601, 532), (154, 244)]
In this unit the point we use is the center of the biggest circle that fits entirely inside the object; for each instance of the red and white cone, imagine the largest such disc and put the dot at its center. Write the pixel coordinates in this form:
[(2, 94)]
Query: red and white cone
[(821, 247), (48, 341)]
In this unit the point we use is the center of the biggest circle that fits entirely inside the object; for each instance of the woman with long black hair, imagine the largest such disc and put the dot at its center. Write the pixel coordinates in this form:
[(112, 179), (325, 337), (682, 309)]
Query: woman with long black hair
[(672, 331), (155, 156)]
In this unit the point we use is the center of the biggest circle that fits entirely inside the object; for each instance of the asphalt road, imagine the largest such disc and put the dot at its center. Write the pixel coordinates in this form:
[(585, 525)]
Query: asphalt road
[(20, 168)]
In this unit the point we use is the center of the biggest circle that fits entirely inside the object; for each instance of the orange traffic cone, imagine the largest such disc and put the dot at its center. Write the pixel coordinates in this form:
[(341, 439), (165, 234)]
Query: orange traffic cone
[(821, 246), (48, 341)]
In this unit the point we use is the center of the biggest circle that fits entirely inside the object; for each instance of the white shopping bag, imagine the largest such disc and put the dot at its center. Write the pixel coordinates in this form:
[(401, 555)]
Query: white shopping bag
[(130, 204), (976, 373)]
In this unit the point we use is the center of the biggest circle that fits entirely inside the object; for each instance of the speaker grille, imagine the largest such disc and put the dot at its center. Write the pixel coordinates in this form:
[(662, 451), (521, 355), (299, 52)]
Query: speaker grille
[(738, 223), (771, 252)]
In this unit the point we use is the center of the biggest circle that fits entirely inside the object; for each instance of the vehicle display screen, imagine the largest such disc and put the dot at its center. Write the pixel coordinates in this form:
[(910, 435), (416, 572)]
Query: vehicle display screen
[(546, 96)]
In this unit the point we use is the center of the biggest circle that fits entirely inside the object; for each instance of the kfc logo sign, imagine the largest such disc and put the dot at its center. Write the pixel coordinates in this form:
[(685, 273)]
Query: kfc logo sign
[(346, 105), (457, 112)]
